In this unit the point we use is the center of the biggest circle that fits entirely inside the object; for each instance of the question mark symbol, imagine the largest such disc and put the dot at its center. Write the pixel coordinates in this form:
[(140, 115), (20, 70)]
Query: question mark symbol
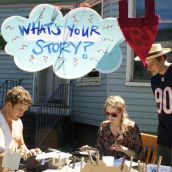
[(85, 56)]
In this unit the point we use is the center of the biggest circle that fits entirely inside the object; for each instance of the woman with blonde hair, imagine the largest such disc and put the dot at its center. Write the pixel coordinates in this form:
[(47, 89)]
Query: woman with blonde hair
[(119, 136)]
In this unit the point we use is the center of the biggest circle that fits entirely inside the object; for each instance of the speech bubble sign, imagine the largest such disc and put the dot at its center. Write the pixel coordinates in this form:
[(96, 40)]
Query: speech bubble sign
[(111, 36), (73, 44), (110, 62)]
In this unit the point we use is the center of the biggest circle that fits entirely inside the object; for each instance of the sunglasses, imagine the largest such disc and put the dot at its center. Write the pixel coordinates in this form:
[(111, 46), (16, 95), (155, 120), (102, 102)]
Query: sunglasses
[(113, 114)]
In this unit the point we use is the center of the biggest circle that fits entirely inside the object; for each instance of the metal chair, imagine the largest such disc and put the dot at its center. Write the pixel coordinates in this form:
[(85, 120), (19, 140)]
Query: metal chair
[(150, 147)]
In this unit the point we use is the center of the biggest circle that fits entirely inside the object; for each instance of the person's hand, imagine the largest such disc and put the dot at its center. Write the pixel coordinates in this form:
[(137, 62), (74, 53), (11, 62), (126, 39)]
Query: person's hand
[(35, 151), (118, 148), (26, 153), (85, 147)]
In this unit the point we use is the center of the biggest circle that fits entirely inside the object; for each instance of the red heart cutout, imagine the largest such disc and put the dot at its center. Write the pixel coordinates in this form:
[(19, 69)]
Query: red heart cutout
[(140, 32)]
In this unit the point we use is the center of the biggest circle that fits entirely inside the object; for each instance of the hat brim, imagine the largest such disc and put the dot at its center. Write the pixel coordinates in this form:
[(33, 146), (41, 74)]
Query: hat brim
[(165, 51)]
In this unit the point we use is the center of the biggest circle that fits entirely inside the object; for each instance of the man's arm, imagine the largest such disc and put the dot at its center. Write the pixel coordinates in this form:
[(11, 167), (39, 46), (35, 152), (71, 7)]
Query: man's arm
[(23, 146)]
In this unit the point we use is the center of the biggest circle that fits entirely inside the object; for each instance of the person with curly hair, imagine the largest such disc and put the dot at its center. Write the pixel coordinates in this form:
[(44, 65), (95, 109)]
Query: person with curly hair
[(17, 101)]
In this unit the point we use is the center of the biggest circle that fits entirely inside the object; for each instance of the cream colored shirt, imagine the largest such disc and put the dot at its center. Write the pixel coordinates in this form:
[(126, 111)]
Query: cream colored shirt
[(10, 139)]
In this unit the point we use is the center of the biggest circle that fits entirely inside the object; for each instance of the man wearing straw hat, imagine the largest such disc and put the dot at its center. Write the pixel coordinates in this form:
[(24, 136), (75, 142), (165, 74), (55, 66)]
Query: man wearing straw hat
[(161, 84)]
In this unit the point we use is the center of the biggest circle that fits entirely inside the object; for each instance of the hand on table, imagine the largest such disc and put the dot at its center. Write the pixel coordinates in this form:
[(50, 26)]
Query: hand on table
[(85, 147), (35, 151), (118, 148), (26, 153), (123, 149)]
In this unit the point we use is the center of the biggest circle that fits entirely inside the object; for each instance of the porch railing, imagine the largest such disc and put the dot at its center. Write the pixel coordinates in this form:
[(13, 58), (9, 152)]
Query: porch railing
[(49, 114)]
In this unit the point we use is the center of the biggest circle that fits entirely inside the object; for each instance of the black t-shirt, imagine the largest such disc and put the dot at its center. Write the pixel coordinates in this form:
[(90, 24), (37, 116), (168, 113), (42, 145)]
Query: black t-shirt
[(162, 89)]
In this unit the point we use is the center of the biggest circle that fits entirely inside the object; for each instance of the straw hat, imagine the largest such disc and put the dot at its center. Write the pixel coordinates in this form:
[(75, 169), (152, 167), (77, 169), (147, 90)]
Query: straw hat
[(155, 51)]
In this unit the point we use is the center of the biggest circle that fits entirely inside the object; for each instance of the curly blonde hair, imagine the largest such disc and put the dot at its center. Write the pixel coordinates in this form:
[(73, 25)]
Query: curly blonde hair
[(118, 103), (18, 95)]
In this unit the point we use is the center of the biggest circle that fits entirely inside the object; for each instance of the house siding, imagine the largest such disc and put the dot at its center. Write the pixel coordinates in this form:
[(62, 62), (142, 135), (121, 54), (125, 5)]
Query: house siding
[(8, 69), (140, 103), (14, 10), (88, 101)]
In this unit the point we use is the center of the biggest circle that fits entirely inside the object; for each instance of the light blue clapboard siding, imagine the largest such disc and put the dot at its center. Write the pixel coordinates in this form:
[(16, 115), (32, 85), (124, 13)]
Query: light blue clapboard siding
[(128, 89), (139, 100), (88, 101), (21, 9), (9, 71), (40, 1), (14, 10)]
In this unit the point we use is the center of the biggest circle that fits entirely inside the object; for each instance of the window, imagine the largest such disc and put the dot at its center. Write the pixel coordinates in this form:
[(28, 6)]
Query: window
[(92, 78), (65, 9), (2, 43), (136, 71)]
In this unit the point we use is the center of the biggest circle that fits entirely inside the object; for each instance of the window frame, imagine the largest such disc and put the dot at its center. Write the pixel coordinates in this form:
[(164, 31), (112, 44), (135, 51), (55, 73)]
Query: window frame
[(2, 51), (130, 53), (88, 81)]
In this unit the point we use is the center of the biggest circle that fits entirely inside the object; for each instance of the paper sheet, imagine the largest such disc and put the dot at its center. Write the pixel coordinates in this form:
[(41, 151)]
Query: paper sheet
[(118, 162), (54, 154), (11, 160)]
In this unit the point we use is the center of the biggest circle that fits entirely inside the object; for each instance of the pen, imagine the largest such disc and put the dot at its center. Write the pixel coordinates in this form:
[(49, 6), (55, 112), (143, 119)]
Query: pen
[(122, 164), (159, 163)]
